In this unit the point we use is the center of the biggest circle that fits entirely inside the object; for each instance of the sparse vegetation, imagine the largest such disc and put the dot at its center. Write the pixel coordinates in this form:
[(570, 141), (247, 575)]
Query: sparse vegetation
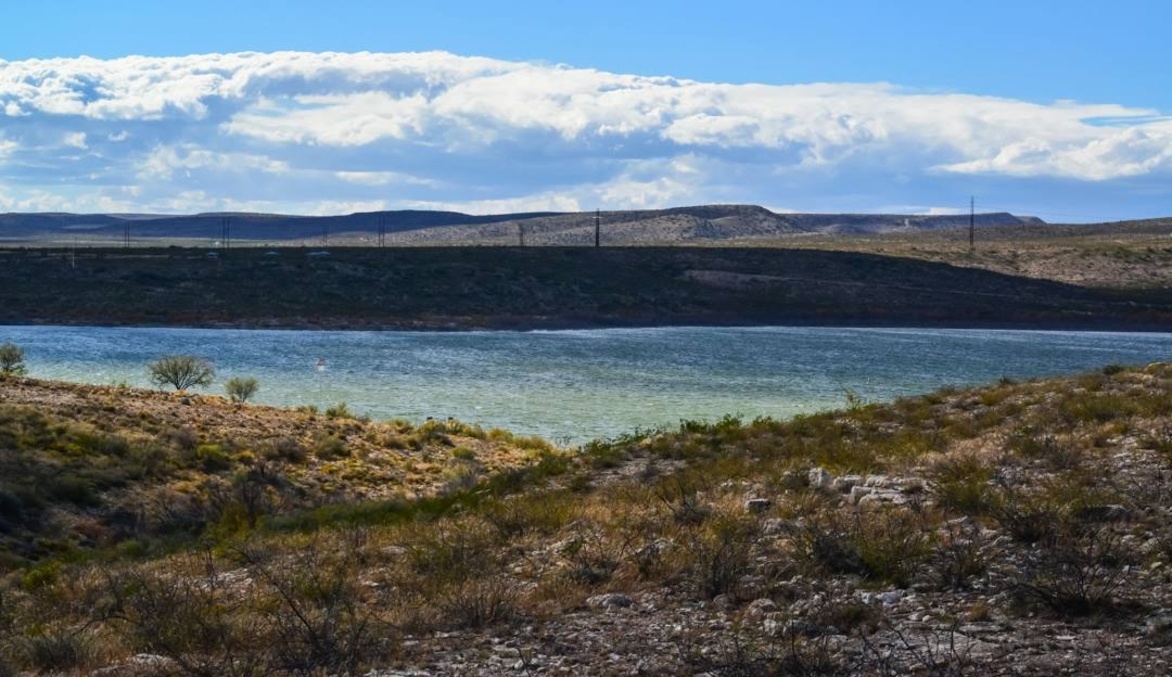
[(932, 535)]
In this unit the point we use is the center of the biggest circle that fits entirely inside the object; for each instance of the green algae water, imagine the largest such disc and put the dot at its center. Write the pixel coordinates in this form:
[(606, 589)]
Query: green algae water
[(571, 386)]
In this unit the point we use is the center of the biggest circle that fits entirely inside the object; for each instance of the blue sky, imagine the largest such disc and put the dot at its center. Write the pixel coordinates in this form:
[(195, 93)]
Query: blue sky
[(1059, 109)]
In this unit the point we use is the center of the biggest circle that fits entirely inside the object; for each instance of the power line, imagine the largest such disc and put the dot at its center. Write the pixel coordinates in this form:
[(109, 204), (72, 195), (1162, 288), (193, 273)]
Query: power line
[(972, 220)]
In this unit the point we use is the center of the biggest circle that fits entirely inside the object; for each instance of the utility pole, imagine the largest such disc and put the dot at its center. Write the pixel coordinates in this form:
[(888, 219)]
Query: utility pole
[(225, 232), (382, 230), (597, 227), (972, 220), (521, 234)]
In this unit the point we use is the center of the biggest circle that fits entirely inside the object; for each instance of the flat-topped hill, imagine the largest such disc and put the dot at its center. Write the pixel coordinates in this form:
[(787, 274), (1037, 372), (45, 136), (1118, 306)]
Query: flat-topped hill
[(704, 223)]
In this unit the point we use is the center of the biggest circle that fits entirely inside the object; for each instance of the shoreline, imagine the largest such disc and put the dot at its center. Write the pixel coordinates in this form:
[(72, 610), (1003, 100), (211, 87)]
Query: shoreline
[(542, 323)]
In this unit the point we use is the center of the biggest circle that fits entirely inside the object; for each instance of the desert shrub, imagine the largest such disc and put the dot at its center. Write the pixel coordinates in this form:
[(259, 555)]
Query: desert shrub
[(240, 390), (1100, 407), (720, 555), (1056, 452), (589, 557), (461, 478), (886, 546), (463, 454), (1028, 518), (286, 449), (450, 552), (321, 623), (183, 438), (330, 447), (683, 501), (339, 410), (56, 651), (1076, 572), (212, 457), (181, 372), (961, 483), (41, 576), (537, 512), (187, 616), (892, 544), (149, 460), (301, 612), (601, 455), (478, 602), (11, 360), (795, 653), (962, 553)]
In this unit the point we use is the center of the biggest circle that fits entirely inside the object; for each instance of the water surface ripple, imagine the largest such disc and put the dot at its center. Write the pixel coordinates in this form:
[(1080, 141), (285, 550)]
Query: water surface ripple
[(577, 385)]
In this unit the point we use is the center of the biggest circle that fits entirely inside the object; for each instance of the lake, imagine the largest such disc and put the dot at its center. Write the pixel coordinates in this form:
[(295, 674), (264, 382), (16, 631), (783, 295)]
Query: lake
[(583, 384)]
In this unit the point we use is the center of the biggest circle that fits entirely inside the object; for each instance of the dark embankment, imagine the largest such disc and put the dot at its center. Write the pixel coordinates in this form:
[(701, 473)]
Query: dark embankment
[(502, 287), (539, 287)]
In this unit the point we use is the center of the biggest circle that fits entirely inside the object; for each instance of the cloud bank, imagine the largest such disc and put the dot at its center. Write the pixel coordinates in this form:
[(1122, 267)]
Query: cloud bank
[(337, 132)]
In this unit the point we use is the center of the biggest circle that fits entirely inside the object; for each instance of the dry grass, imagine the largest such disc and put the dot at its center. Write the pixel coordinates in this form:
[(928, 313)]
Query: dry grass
[(1020, 501)]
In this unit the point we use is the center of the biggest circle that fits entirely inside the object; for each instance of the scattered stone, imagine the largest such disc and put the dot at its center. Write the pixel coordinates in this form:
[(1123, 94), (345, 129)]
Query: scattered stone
[(846, 483), (1102, 513), (774, 526), (760, 607), (609, 600), (858, 492), (724, 602), (819, 478)]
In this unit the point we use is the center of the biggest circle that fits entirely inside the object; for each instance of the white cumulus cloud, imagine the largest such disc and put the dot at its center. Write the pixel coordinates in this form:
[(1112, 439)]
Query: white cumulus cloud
[(310, 131)]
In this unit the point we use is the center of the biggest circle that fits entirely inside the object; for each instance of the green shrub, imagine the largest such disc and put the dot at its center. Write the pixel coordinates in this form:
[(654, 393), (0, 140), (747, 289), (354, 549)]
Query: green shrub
[(41, 576), (213, 458), (329, 447), (240, 390), (339, 410), (11, 360), (721, 555), (962, 484), (76, 489), (463, 454), (57, 652), (886, 546)]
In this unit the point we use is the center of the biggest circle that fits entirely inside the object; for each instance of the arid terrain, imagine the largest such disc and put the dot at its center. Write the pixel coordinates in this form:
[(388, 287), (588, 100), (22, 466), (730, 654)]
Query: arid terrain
[(1020, 528)]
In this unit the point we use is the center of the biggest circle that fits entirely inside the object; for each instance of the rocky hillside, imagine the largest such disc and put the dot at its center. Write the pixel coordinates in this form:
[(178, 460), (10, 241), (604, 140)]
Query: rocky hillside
[(99, 467), (1021, 528)]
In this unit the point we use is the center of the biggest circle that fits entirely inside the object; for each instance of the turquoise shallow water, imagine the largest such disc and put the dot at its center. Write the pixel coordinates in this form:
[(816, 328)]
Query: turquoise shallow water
[(577, 385)]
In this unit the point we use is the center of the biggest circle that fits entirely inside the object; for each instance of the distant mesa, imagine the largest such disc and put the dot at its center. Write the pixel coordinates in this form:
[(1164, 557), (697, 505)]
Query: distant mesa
[(704, 223)]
